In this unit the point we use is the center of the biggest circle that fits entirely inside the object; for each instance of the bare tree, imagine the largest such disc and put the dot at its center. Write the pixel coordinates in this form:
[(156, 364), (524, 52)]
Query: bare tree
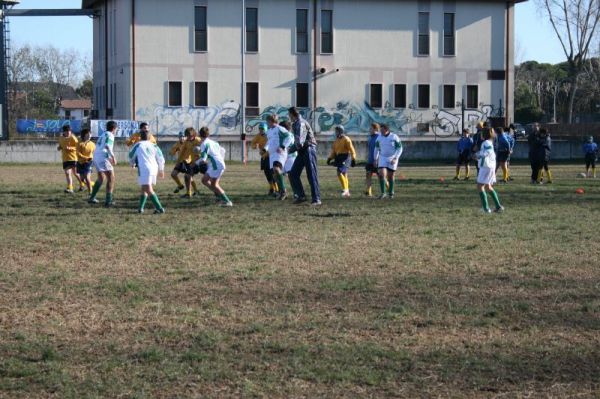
[(575, 23)]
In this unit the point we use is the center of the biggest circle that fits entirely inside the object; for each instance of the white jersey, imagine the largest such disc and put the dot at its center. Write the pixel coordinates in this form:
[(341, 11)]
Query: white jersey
[(388, 147), (104, 147), (486, 155), (279, 137), (149, 157), (213, 154)]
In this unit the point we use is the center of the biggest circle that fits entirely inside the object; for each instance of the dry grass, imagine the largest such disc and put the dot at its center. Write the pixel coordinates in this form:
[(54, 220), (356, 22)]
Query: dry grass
[(419, 296)]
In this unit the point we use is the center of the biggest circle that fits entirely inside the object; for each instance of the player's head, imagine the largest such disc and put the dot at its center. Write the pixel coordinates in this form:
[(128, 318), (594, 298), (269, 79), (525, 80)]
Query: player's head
[(66, 130), (85, 134), (262, 128), (487, 133), (294, 114), (385, 129), (465, 132), (498, 131), (286, 125), (204, 132), (339, 130), (111, 126), (272, 120), (543, 132), (507, 129), (144, 135), (181, 136), (190, 133), (590, 139), (375, 128), (480, 125), (143, 127)]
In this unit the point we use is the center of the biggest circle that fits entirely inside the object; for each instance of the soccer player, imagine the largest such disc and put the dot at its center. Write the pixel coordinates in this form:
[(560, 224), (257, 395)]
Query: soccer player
[(543, 156), (370, 167), (505, 144), (104, 162), (306, 147), (291, 156), (134, 138), (342, 155), (67, 144), (188, 159), (177, 149), (486, 158), (85, 155), (590, 151), (465, 143), (259, 142), (150, 162), (279, 139), (388, 149), (212, 154)]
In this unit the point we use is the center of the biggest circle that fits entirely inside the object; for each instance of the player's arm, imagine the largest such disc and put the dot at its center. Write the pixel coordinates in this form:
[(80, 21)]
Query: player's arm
[(397, 148), (160, 160), (132, 155), (351, 149)]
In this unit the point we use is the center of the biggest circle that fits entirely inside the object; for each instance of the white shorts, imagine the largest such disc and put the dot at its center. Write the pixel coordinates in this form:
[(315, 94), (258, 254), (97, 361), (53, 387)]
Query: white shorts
[(146, 180), (289, 162), (486, 176), (387, 163), (102, 165), (215, 173), (277, 157)]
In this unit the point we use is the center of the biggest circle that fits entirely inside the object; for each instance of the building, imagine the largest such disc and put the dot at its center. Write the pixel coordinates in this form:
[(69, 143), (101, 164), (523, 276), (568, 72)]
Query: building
[(77, 109), (409, 63)]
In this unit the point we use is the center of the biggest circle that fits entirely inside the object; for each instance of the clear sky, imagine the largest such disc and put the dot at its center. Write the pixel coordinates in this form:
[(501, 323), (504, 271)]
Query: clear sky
[(534, 36)]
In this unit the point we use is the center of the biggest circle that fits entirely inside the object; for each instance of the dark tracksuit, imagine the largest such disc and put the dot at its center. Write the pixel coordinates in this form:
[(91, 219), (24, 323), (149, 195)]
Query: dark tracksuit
[(534, 148), (306, 146)]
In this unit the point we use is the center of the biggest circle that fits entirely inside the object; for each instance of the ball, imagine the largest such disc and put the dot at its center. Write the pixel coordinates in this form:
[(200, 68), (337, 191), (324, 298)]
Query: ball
[(581, 175), (579, 191)]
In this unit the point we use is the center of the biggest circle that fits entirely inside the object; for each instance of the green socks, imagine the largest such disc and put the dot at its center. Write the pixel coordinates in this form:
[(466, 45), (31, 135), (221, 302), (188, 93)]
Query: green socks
[(225, 198), (143, 199), (109, 198), (95, 189), (495, 198), (391, 187), (382, 185), (281, 183), (155, 201), (484, 200)]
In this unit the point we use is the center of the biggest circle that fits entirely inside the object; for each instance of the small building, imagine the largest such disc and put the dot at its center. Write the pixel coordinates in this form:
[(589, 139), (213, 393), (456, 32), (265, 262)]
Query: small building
[(421, 66), (78, 109)]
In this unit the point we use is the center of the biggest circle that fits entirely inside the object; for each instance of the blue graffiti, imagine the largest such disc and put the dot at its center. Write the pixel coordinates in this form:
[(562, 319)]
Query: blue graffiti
[(41, 126)]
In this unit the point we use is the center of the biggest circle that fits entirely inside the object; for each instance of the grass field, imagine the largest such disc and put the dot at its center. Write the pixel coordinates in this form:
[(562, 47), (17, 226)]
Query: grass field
[(420, 296)]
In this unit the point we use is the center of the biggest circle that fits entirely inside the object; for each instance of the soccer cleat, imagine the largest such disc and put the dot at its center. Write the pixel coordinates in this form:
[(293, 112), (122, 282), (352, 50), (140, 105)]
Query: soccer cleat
[(383, 196), (227, 204), (282, 196), (499, 209), (159, 211), (195, 193), (68, 191), (467, 177), (186, 196), (316, 203), (178, 189), (486, 210), (93, 201), (391, 195), (345, 194), (111, 204), (368, 194), (140, 211), (456, 178), (299, 200), (81, 188)]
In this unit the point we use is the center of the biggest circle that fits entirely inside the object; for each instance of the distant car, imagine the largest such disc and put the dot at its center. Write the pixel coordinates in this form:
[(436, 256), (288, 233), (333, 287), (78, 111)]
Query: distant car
[(519, 130)]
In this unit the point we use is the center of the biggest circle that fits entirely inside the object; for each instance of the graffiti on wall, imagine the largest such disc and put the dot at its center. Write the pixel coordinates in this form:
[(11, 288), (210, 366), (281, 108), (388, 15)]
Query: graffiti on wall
[(40, 126), (225, 119), (125, 128)]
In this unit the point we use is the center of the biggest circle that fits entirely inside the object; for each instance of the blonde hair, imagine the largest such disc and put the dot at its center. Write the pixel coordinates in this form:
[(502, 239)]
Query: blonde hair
[(190, 131)]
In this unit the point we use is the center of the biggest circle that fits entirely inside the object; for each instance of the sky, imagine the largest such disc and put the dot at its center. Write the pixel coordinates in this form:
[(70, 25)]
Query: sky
[(535, 39)]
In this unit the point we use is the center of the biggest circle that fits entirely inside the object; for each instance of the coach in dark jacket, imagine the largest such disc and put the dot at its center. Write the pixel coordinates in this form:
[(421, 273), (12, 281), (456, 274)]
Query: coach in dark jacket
[(534, 144)]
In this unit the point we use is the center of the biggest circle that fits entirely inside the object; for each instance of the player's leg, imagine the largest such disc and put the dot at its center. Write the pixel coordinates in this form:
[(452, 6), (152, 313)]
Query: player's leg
[(68, 177), (278, 175), (467, 171), (110, 187), (390, 179), (382, 181), (176, 179), (494, 194), (216, 182), (483, 196), (548, 171), (143, 197), (96, 188)]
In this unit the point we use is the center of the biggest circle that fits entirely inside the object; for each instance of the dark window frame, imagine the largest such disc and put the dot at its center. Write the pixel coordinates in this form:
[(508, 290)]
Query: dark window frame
[(402, 103), (169, 97), (470, 104), (204, 96), (327, 35), (420, 105), (423, 35), (252, 31), (201, 29), (306, 88), (449, 33), (302, 31), (445, 101), (378, 104), (252, 108)]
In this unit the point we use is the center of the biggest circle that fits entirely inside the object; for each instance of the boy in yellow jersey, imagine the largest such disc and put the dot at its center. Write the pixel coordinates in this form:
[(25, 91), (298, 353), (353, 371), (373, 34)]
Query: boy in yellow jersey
[(67, 144), (259, 142), (85, 155), (188, 158), (177, 149), (134, 138), (342, 155)]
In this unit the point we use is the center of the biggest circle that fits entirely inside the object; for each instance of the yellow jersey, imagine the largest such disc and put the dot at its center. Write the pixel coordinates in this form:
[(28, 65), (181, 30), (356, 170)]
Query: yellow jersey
[(342, 145), (85, 151), (259, 142), (134, 138), (186, 153), (68, 146), (178, 149)]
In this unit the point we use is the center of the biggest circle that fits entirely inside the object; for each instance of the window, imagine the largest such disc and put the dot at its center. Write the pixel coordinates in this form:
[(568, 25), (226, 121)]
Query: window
[(67, 114), (252, 107), (251, 29), (423, 36), (326, 31), (423, 96), (449, 48), (498, 74), (175, 94), (449, 96), (472, 96), (376, 95), (302, 95), (200, 35), (302, 31), (399, 96), (200, 94), (86, 113)]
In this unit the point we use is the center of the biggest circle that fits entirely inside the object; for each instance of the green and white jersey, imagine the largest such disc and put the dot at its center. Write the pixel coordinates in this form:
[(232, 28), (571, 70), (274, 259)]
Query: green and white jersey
[(104, 147), (388, 147), (279, 137), (486, 155), (149, 158), (213, 154)]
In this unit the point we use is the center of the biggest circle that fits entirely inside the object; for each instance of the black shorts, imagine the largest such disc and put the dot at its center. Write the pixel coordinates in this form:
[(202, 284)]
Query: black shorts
[(83, 169), (463, 158), (195, 168), (277, 164), (183, 167), (371, 168), (264, 163), (590, 160), (342, 162), (503, 156), (69, 165)]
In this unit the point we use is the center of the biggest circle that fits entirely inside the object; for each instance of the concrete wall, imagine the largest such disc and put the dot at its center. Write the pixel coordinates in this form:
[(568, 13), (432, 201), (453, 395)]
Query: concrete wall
[(45, 151)]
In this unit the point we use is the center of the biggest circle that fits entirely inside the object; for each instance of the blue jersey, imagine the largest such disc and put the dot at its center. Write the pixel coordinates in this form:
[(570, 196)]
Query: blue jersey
[(505, 142), (371, 148), (464, 144), (590, 148)]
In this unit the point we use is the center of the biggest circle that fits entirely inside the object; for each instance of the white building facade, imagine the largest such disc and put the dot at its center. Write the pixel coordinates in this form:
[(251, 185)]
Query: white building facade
[(421, 66)]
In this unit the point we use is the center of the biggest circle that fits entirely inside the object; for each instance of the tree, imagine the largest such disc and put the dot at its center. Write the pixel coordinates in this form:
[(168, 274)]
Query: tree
[(575, 23)]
